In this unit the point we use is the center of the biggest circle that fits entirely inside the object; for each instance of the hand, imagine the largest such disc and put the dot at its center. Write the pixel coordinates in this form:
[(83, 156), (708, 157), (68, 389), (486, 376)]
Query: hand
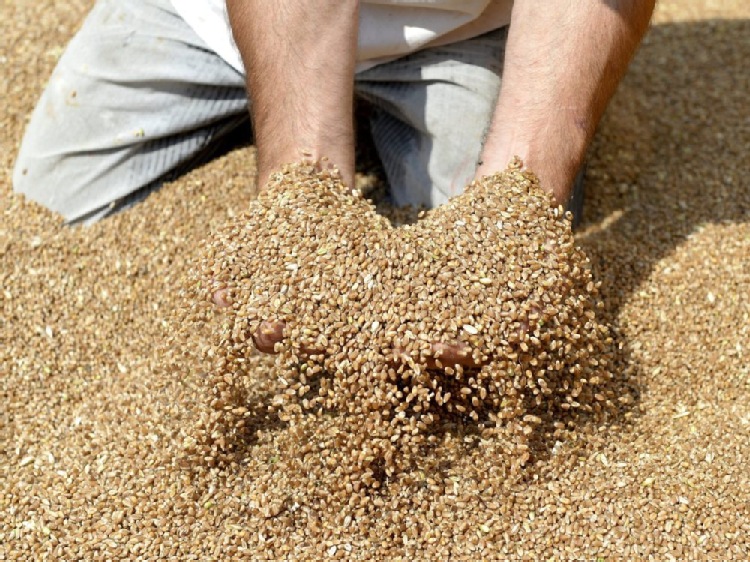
[(265, 224), (270, 329)]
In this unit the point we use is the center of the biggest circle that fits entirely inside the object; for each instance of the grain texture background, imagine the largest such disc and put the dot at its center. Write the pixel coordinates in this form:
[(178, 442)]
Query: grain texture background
[(92, 426)]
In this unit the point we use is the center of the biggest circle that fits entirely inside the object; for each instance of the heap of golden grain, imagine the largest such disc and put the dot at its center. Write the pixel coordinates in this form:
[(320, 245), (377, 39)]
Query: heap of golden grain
[(107, 455), (369, 312)]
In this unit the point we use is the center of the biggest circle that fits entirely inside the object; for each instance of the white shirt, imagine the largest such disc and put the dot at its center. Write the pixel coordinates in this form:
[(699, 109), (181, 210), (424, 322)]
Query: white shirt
[(388, 29)]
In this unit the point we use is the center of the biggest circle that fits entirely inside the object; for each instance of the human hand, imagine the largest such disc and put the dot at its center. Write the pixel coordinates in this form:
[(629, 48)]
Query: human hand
[(269, 331), (425, 280)]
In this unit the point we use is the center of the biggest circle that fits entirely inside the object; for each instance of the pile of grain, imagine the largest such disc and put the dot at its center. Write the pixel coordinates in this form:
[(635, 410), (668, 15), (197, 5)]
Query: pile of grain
[(494, 272), (99, 435)]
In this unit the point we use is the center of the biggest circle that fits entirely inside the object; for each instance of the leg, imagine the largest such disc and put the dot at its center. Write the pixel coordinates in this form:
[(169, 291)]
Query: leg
[(135, 95), (431, 112)]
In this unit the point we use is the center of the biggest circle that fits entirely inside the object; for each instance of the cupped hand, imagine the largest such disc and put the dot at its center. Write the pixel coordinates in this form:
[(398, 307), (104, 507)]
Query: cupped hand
[(458, 274)]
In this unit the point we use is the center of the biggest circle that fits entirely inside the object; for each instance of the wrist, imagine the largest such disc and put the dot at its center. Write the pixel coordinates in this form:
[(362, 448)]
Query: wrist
[(270, 161), (553, 156)]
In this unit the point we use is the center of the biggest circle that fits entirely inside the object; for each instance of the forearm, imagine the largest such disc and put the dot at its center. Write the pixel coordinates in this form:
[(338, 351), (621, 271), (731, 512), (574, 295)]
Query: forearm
[(299, 56), (563, 61)]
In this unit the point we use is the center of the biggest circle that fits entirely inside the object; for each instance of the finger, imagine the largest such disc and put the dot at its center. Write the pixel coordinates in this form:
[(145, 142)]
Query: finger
[(221, 298), (448, 354), (269, 333), (442, 355)]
